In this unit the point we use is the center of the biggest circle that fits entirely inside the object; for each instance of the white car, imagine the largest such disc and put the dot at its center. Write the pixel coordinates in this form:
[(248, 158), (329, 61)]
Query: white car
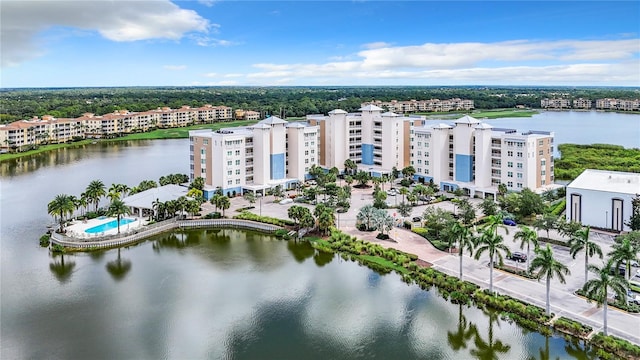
[(286, 201)]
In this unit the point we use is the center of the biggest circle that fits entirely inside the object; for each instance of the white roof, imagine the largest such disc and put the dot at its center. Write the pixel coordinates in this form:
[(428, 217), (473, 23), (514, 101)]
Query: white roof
[(146, 198), (467, 120), (272, 120), (609, 181), (371, 107), (296, 125), (441, 126), (260, 126), (483, 126), (337, 111), (390, 114)]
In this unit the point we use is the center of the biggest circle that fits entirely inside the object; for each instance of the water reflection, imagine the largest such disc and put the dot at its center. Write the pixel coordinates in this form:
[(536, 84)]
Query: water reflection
[(60, 268), (66, 155), (464, 332), (489, 349), (118, 268), (322, 258), (301, 251)]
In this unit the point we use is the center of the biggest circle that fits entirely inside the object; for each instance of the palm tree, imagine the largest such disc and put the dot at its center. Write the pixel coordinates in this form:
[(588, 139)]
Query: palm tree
[(490, 349), (465, 331), (365, 215), (84, 202), (404, 191), (224, 203), (94, 191), (527, 237), (117, 209), (493, 243), (465, 239), (60, 206), (350, 166), (606, 280), (580, 241), (250, 197), (548, 267), (624, 251), (493, 222)]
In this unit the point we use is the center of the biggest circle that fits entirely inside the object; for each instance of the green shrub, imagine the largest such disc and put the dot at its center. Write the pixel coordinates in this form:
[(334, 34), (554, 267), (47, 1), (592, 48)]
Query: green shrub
[(44, 240), (617, 346), (281, 233), (57, 248), (213, 215)]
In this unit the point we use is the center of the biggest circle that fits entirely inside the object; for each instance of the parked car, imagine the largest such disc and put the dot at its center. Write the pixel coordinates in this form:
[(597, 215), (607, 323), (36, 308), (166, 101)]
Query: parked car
[(633, 298), (633, 263), (311, 182), (417, 219), (286, 201), (518, 256), (509, 222)]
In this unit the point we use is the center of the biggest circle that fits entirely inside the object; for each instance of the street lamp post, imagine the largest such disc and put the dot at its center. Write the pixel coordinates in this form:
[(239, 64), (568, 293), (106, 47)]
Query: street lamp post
[(606, 219)]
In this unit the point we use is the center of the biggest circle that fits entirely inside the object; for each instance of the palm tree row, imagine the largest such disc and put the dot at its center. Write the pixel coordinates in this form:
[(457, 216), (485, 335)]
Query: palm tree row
[(168, 209)]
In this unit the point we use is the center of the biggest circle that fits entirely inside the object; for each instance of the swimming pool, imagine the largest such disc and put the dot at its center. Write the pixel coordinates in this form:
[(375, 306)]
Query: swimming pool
[(113, 224)]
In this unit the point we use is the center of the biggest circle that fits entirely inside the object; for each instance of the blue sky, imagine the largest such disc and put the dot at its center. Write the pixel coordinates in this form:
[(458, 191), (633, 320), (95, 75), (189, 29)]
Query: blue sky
[(53, 43)]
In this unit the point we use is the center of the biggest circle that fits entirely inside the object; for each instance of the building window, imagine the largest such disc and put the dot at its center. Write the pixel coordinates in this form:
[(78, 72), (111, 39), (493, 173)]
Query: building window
[(229, 172), (306, 161), (509, 153), (519, 185), (238, 172), (229, 182), (202, 152), (205, 141), (510, 184), (543, 172), (237, 181), (237, 162), (519, 175), (510, 164), (229, 163), (541, 152), (540, 142), (306, 152), (202, 161), (229, 153), (509, 174), (203, 170), (519, 154), (237, 152), (519, 165)]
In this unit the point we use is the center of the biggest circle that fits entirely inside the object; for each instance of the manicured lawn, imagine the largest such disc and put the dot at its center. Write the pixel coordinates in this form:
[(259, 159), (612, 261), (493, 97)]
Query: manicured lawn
[(503, 113), (41, 149), (490, 114), (383, 262), (181, 133)]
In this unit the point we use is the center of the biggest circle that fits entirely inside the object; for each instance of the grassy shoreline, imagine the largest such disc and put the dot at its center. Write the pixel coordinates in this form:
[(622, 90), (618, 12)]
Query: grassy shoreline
[(489, 114), (159, 134)]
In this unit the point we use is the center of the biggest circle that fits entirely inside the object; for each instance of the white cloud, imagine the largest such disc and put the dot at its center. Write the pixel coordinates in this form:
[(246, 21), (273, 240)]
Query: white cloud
[(211, 74), (203, 40), (518, 62), (174, 67), (22, 21), (207, 3), (376, 45)]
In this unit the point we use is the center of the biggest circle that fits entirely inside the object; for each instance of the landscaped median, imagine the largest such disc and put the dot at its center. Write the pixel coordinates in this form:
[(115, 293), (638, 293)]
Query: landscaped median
[(385, 260)]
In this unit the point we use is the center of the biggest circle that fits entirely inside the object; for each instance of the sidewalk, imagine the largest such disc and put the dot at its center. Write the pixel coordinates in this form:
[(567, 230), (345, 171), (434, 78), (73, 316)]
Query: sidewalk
[(563, 301)]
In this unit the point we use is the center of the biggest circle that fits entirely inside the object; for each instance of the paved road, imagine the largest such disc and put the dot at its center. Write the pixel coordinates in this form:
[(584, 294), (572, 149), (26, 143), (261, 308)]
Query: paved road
[(563, 301)]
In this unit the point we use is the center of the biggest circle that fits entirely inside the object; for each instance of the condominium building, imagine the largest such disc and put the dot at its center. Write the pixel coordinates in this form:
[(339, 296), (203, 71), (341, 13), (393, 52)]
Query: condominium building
[(253, 158), (581, 103), (241, 114), (476, 157), (50, 129), (374, 140), (556, 103), (618, 104), (423, 105)]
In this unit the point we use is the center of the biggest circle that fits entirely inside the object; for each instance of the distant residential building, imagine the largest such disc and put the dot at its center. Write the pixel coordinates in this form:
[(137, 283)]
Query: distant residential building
[(432, 105), (476, 157), (581, 103), (247, 115), (555, 103), (49, 129), (602, 198), (618, 104), (253, 158)]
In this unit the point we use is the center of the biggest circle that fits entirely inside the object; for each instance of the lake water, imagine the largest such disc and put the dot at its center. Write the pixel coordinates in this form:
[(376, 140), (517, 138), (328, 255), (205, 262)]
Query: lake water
[(216, 294)]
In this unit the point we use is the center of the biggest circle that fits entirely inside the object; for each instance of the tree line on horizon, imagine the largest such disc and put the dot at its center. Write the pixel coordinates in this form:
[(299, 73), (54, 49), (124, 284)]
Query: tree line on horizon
[(19, 104)]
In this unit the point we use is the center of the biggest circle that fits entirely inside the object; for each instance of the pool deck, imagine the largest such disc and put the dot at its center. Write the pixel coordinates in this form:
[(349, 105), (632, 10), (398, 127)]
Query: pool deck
[(78, 227)]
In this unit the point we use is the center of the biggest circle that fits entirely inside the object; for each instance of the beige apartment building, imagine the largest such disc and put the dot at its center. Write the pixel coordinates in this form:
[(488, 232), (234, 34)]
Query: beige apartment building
[(618, 104), (581, 103), (556, 103), (53, 130), (432, 105)]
